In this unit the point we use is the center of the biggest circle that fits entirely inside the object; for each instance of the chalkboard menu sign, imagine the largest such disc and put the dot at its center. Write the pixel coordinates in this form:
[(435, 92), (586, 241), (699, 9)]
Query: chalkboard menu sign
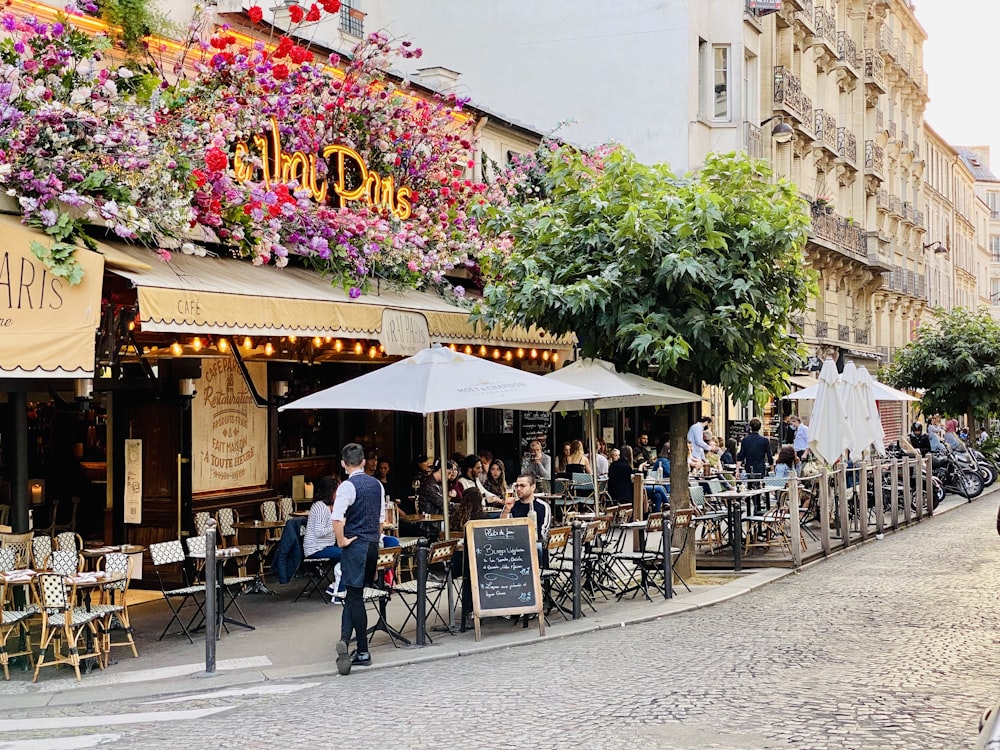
[(503, 561), (535, 425), (738, 429)]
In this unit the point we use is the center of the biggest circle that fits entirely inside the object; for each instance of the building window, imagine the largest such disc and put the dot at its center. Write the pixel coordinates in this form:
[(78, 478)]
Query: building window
[(720, 81), (995, 292), (993, 201), (995, 248), (352, 20)]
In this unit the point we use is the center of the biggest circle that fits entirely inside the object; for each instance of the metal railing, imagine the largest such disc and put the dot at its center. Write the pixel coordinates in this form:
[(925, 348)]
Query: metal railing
[(875, 67), (874, 158), (843, 233), (847, 50), (826, 26), (753, 141), (892, 129), (882, 199), (844, 333), (879, 118), (822, 329), (847, 145), (895, 205), (826, 128), (787, 90), (918, 218), (860, 335)]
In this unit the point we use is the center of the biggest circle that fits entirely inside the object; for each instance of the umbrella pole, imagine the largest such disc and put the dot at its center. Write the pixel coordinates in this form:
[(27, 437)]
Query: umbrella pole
[(593, 455), (442, 442)]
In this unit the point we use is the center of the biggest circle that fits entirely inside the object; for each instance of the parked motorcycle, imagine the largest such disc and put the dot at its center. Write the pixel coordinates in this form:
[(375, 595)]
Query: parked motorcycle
[(956, 476), (984, 466)]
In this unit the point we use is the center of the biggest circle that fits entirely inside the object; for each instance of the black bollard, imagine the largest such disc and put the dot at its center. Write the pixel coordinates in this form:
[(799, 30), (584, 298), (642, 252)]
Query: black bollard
[(423, 551), (211, 626), (577, 565), (668, 573)]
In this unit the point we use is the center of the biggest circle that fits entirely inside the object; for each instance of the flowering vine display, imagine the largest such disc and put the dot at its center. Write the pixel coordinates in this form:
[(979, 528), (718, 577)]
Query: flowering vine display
[(260, 150)]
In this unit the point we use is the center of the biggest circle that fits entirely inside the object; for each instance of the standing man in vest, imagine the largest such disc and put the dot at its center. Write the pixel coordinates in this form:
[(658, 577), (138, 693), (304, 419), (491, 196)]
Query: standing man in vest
[(358, 514)]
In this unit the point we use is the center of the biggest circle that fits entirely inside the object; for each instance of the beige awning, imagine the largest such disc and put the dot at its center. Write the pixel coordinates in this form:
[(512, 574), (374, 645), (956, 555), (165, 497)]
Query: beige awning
[(802, 381), (225, 296), (48, 326)]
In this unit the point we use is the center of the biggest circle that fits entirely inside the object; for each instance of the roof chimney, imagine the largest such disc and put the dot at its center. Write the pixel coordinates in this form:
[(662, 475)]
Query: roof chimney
[(438, 78)]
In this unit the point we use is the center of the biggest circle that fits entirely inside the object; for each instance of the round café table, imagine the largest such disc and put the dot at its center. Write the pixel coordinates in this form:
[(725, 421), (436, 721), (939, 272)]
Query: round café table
[(261, 528)]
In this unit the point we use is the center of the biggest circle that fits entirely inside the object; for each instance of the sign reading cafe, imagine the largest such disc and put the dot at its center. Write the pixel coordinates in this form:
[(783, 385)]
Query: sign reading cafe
[(351, 178)]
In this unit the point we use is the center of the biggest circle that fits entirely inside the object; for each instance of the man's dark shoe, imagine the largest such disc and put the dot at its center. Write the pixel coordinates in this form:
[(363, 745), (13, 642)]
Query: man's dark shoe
[(361, 660), (344, 658)]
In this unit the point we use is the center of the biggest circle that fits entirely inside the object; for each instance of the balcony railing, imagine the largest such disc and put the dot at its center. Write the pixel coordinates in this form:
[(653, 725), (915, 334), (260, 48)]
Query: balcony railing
[(905, 282), (875, 68), (879, 119), (847, 145), (895, 205), (844, 333), (882, 199), (918, 218), (822, 329), (753, 142), (906, 141), (884, 40), (826, 26), (807, 114), (787, 90), (826, 129), (847, 236), (847, 50), (916, 149), (892, 129), (861, 336), (905, 211), (874, 158)]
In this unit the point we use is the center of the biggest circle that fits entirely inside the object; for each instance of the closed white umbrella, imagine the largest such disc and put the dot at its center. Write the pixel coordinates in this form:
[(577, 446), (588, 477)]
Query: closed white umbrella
[(830, 431), (866, 427), (874, 422), (881, 391)]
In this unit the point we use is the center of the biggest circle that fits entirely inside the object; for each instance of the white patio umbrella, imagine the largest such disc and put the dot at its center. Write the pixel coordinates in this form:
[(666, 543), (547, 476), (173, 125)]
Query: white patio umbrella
[(830, 431), (862, 412), (438, 380), (875, 419), (614, 390)]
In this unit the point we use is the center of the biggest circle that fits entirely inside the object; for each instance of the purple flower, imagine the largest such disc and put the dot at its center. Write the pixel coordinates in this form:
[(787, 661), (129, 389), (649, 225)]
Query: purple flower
[(9, 23), (58, 29), (354, 292)]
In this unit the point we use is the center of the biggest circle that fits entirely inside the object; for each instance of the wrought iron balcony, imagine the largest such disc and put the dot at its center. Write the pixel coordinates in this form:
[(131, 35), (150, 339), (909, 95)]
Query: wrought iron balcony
[(895, 205), (847, 145), (861, 336), (846, 236), (787, 91), (826, 26), (879, 119), (822, 329), (905, 282), (892, 129), (906, 141), (882, 199), (875, 70), (874, 160), (826, 129), (847, 50), (844, 333), (884, 40), (918, 219)]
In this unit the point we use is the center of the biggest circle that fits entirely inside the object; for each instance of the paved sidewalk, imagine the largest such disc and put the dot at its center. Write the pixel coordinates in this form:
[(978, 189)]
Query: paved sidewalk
[(296, 640)]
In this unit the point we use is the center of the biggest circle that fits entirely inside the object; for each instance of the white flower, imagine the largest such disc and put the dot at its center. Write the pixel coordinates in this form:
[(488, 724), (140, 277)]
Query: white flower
[(110, 88), (188, 248), (200, 251), (80, 95), (124, 72)]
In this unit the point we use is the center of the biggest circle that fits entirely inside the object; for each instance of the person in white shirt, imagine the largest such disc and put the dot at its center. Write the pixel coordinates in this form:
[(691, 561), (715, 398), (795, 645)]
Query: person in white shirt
[(696, 438)]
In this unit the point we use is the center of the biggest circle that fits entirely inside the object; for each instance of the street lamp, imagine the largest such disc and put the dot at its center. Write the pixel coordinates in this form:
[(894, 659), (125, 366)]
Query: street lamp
[(782, 132), (936, 246)]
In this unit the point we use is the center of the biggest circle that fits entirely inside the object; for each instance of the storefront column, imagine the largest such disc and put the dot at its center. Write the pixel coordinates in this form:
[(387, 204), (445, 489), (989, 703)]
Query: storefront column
[(19, 475)]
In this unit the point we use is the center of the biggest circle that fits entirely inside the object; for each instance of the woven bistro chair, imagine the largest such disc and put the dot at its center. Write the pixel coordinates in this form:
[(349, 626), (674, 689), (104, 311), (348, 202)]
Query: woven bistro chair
[(14, 621), (67, 562), (169, 553), (41, 551), (116, 563), (64, 626), (21, 544), (439, 555), (229, 536), (234, 585), (377, 594)]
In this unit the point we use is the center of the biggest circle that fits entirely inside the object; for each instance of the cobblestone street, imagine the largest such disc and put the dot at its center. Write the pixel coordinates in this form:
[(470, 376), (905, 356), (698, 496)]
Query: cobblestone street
[(891, 645)]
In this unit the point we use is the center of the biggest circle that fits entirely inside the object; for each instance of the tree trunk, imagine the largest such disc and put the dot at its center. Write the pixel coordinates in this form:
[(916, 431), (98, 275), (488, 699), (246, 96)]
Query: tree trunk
[(680, 496)]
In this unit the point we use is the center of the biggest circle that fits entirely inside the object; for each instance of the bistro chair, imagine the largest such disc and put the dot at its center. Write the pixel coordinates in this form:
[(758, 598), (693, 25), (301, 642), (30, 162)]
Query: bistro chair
[(67, 562), (555, 572), (681, 527), (440, 554), (41, 551), (201, 519), (13, 621), (171, 553), (116, 563), (286, 507), (378, 595), (21, 544), (707, 518), (637, 565), (269, 514), (64, 625), (229, 536), (68, 540), (8, 559), (233, 585)]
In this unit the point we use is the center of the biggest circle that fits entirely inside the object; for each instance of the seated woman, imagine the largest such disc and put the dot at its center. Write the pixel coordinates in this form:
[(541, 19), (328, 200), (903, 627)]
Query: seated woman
[(494, 484), (620, 477), (787, 462), (562, 461), (577, 462)]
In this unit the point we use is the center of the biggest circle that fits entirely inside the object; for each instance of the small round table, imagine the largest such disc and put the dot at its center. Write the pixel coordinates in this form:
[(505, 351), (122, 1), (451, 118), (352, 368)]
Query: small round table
[(261, 527)]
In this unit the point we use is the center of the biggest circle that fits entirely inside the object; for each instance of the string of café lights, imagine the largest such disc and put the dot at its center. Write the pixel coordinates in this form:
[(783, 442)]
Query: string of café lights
[(337, 346)]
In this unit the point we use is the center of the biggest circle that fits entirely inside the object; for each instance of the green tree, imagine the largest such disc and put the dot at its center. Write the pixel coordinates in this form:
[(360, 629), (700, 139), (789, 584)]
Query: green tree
[(689, 279), (956, 361)]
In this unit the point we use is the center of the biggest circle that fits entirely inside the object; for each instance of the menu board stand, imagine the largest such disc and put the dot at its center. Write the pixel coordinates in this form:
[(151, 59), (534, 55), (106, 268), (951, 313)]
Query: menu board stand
[(503, 563)]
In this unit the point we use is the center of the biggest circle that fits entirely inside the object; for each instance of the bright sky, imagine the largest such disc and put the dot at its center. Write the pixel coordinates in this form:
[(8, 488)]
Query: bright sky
[(962, 48)]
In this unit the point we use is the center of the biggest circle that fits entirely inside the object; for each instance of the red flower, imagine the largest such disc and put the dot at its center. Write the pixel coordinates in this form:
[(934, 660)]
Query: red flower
[(216, 159), (296, 14), (331, 6), (299, 54), (313, 15), (199, 177), (284, 47), (280, 72), (255, 13)]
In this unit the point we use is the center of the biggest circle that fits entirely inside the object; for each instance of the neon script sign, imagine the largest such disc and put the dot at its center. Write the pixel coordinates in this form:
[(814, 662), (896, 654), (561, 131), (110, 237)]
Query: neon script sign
[(352, 180)]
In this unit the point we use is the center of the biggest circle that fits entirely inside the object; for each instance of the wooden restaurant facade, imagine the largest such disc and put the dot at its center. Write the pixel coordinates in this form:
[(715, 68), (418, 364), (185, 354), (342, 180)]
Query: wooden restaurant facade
[(149, 391)]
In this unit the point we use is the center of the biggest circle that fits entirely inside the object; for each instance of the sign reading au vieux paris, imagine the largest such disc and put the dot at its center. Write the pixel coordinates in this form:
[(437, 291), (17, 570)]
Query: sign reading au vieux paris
[(229, 431)]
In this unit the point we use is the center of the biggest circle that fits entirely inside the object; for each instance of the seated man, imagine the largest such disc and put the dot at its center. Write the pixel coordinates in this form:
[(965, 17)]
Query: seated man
[(523, 503)]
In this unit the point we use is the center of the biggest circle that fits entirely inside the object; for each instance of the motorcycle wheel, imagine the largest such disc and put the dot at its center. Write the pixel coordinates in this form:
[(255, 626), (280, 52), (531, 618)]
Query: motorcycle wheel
[(972, 484), (988, 472), (938, 492)]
